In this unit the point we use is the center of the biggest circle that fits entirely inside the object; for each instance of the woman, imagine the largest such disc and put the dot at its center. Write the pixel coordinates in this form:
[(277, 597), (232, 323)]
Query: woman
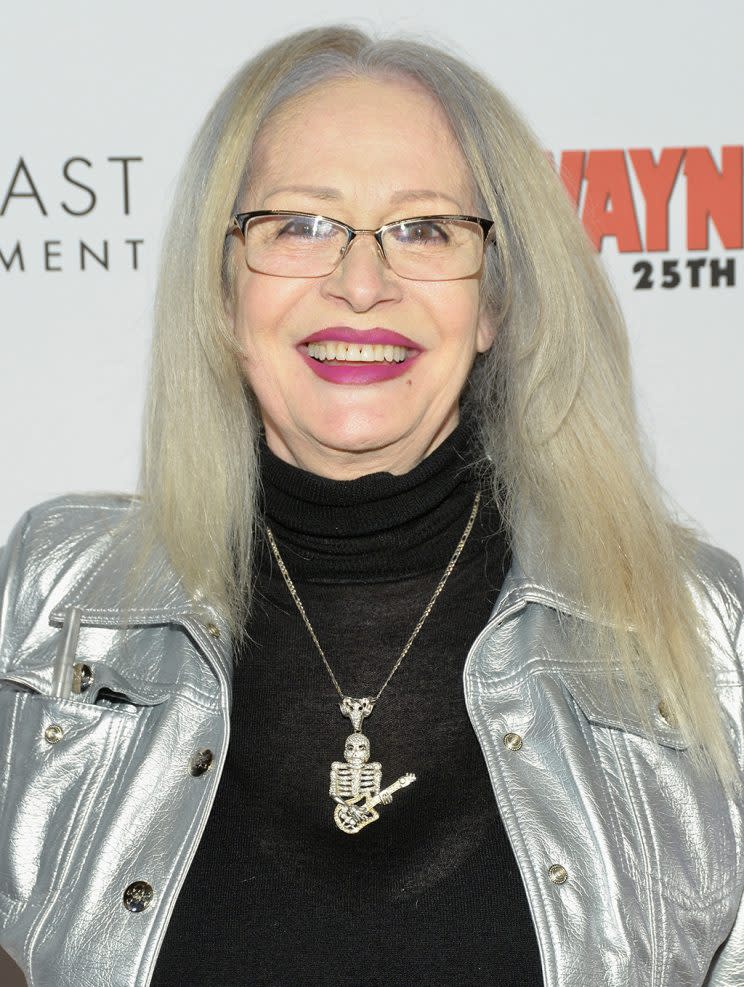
[(397, 552)]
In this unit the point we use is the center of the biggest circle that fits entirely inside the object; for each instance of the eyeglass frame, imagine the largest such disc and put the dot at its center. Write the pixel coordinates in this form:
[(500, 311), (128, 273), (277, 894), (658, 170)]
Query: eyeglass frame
[(241, 219)]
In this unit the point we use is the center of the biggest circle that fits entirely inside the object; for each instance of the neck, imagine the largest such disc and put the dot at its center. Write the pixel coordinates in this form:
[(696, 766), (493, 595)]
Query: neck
[(376, 527)]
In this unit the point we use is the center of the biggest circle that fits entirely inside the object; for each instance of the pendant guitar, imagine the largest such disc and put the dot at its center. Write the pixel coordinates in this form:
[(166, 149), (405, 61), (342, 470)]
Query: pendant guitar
[(351, 819)]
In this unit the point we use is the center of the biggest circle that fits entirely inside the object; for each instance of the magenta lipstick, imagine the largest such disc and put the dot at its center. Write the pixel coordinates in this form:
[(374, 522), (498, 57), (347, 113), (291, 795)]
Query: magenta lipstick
[(359, 371)]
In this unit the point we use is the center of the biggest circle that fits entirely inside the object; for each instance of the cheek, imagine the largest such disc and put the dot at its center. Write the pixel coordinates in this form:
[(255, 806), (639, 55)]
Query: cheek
[(454, 306), (260, 311)]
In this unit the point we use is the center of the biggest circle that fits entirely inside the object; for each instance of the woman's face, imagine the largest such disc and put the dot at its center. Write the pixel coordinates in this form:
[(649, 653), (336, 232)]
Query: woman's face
[(365, 152)]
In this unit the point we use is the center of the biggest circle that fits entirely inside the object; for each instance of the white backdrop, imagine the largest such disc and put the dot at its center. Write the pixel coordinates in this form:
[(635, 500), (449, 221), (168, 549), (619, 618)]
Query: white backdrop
[(86, 85)]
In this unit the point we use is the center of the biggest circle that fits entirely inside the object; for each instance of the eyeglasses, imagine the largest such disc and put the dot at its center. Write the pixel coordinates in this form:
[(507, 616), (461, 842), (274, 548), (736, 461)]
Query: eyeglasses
[(304, 245)]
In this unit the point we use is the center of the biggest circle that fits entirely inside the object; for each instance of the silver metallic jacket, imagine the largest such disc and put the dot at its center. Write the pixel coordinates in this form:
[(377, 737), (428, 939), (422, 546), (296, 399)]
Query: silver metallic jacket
[(633, 866)]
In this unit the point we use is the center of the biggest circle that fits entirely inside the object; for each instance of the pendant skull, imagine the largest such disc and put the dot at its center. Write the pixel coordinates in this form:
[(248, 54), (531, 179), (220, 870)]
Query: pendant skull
[(355, 776)]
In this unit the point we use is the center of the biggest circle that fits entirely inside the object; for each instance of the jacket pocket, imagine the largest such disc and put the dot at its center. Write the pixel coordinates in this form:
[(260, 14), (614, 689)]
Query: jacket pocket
[(673, 826), (58, 759)]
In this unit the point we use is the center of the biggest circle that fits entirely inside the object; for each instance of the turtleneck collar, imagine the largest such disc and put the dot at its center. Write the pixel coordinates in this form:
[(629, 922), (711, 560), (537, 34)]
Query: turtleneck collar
[(378, 527)]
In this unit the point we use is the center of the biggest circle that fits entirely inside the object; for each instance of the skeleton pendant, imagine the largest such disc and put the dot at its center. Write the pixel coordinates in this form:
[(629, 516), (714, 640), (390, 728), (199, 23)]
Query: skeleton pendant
[(355, 782)]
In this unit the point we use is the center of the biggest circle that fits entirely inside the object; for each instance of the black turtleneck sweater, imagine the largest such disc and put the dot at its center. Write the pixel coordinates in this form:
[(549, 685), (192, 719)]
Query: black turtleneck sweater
[(429, 892)]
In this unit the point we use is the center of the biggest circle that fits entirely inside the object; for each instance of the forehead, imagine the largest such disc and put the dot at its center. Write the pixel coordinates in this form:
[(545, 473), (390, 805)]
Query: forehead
[(364, 138)]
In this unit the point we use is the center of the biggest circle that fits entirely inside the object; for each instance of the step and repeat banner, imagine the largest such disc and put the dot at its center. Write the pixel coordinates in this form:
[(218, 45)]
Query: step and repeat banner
[(639, 105)]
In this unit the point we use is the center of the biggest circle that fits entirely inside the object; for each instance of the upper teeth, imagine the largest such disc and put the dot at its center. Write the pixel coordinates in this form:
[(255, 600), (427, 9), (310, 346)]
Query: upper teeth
[(337, 350)]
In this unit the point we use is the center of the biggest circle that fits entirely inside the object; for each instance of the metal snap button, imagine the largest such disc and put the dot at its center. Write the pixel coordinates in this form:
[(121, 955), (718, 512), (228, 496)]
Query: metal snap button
[(213, 630), (513, 741), (82, 677), (200, 762), (558, 874), (53, 733), (137, 896)]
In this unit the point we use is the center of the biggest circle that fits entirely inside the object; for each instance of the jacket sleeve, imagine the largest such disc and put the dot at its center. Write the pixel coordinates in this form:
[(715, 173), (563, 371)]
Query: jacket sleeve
[(727, 968), (9, 554)]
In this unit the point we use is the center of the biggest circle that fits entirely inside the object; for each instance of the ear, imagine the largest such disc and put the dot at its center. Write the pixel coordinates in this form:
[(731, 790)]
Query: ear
[(485, 333)]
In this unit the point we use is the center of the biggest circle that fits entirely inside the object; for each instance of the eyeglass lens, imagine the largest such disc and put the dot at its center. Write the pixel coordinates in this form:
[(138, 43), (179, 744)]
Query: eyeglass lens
[(428, 249)]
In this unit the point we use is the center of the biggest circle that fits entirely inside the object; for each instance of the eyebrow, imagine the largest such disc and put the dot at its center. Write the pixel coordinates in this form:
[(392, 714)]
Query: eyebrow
[(333, 195)]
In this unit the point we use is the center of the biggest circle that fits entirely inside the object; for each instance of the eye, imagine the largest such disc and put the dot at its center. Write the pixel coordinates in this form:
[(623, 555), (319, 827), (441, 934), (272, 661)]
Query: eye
[(421, 231), (303, 227)]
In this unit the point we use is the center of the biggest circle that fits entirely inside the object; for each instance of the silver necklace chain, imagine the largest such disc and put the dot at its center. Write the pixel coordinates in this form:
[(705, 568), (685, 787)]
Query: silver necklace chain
[(417, 628)]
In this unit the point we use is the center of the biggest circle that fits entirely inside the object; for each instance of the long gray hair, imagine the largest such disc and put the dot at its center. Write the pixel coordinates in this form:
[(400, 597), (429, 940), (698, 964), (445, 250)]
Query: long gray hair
[(553, 396)]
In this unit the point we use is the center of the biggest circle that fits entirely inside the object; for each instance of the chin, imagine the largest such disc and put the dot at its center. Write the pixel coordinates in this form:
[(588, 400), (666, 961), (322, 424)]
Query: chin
[(358, 434), (374, 428)]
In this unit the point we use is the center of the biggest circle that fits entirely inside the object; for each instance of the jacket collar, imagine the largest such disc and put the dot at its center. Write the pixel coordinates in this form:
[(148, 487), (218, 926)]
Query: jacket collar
[(99, 594), (520, 588)]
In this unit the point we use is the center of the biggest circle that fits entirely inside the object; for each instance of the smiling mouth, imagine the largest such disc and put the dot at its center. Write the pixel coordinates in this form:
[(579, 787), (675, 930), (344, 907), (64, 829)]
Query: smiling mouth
[(337, 351)]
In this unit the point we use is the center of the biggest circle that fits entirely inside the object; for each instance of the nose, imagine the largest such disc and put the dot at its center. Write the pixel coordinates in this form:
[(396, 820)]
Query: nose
[(363, 277)]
